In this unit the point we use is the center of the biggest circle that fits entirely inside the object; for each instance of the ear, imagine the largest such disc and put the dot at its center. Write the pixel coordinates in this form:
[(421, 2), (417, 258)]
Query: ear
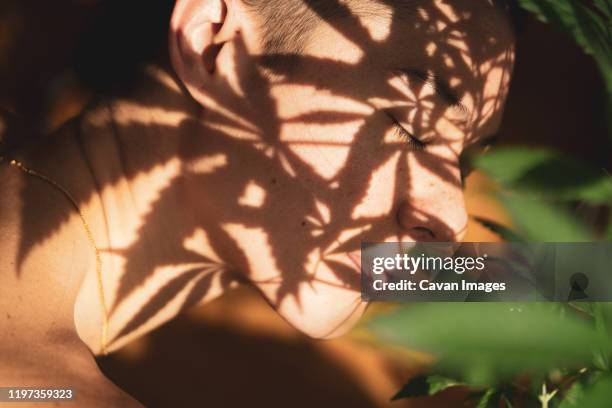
[(199, 29)]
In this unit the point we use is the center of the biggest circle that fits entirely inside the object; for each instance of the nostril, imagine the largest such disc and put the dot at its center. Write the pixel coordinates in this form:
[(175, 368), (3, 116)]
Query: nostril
[(414, 221), (424, 233), (422, 226)]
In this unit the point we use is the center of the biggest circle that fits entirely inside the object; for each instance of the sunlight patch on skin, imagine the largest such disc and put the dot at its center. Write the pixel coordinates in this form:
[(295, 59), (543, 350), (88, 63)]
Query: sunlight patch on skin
[(229, 61), (424, 99), (207, 164), (495, 90), (290, 171), (163, 78), (214, 107), (321, 274), (485, 67), (256, 249), (313, 220), (423, 175), (376, 202), (316, 227), (334, 158), (345, 235), (133, 113), (319, 307), (343, 50), (200, 243), (457, 35), (324, 211), (431, 49), (391, 138), (455, 82), (148, 291), (448, 11), (304, 97), (236, 132), (406, 85), (448, 61), (142, 192), (453, 131), (401, 86), (317, 232), (470, 102), (252, 196), (312, 142), (318, 224), (267, 150), (423, 14), (88, 314), (342, 258), (379, 27), (462, 47)]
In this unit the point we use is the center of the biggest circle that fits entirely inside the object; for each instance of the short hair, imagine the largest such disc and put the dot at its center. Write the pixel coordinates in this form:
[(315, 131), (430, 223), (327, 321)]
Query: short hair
[(286, 23)]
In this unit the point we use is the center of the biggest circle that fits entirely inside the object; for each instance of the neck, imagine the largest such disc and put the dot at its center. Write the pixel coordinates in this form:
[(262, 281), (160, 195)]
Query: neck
[(155, 257), (135, 147)]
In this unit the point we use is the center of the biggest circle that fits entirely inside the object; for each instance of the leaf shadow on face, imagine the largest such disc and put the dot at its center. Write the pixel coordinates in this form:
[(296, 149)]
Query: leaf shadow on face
[(454, 55)]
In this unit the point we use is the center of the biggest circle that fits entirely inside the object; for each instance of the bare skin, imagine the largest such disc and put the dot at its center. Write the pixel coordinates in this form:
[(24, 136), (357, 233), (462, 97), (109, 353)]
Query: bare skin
[(247, 172)]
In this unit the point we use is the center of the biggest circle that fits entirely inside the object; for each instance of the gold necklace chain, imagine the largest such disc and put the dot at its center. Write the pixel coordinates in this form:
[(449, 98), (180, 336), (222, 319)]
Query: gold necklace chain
[(90, 238)]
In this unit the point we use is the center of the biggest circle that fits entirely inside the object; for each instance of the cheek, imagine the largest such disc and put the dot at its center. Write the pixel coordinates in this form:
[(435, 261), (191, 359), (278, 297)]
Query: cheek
[(319, 128), (324, 149), (378, 197)]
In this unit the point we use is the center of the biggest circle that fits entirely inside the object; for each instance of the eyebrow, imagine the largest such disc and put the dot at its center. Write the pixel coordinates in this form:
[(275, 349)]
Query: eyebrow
[(440, 86)]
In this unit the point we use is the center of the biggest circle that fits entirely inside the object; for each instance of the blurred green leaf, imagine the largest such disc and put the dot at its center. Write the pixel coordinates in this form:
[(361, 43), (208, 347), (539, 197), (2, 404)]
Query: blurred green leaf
[(605, 6), (504, 232), (596, 395), (424, 385), (606, 310), (490, 399), (589, 29), (601, 316), (573, 395), (584, 307), (484, 343), (596, 33), (539, 221), (546, 173)]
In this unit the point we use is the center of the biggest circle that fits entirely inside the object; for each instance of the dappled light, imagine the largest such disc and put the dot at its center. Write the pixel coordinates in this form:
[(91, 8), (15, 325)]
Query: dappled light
[(288, 161)]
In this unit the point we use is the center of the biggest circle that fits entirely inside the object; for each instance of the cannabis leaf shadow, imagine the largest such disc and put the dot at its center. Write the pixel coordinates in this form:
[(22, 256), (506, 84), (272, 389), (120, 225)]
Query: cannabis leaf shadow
[(437, 43)]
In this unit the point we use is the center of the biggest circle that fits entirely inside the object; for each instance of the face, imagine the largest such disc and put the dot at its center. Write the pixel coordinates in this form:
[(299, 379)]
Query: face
[(358, 138)]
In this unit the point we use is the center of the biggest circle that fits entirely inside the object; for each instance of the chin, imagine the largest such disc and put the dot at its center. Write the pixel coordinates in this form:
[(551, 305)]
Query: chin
[(324, 315)]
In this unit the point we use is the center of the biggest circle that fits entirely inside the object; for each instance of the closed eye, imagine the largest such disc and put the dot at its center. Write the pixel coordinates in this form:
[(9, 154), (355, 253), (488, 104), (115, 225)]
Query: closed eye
[(414, 143)]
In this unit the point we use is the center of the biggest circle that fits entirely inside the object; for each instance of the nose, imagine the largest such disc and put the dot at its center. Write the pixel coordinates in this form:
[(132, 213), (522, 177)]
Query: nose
[(436, 219)]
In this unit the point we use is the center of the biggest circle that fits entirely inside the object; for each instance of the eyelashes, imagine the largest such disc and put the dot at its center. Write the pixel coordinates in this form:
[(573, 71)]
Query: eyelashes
[(414, 143)]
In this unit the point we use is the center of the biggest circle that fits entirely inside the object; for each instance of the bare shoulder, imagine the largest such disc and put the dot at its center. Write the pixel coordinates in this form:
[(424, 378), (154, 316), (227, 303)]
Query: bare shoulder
[(44, 255), (40, 262)]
